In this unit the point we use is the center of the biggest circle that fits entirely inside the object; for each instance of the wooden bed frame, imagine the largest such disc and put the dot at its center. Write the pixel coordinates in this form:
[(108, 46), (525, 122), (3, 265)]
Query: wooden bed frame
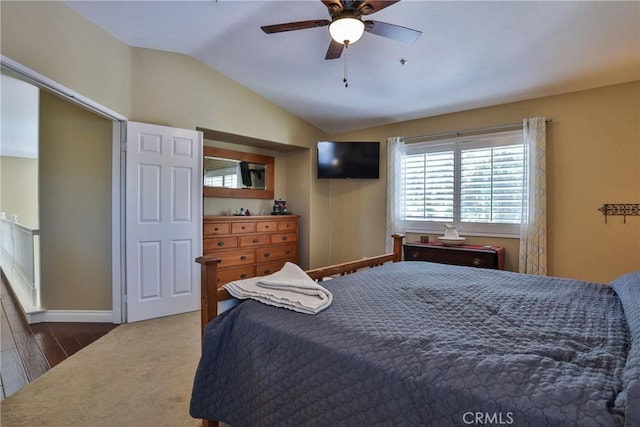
[(211, 293)]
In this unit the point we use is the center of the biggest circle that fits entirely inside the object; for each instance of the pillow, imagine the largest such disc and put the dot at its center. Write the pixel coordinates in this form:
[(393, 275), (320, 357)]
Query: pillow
[(627, 288)]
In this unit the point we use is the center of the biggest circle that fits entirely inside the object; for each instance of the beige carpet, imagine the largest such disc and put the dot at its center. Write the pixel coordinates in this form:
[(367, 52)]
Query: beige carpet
[(138, 375)]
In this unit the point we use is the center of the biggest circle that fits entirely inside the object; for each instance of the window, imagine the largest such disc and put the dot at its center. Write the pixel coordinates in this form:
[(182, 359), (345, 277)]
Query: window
[(476, 182), (227, 178)]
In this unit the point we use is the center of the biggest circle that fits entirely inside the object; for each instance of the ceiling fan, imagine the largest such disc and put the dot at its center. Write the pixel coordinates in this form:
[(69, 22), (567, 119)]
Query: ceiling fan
[(346, 25)]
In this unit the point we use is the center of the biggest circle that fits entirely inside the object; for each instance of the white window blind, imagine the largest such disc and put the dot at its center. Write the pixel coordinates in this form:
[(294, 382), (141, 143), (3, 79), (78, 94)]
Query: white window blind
[(429, 186), (476, 182), (227, 178), (491, 182)]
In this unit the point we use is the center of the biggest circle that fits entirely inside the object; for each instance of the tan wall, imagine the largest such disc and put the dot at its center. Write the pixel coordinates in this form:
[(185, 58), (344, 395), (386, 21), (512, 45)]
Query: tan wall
[(149, 86), (19, 189), (54, 40), (142, 84), (593, 154), (593, 158), (300, 200), (75, 207), (176, 90)]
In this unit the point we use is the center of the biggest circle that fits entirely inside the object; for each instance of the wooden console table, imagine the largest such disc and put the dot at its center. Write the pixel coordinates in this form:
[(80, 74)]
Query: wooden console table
[(466, 255)]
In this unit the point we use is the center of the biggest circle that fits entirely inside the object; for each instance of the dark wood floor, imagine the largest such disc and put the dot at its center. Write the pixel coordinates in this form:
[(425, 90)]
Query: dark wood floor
[(28, 351)]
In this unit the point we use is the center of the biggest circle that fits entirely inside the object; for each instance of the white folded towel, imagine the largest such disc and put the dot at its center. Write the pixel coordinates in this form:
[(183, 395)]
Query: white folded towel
[(289, 288)]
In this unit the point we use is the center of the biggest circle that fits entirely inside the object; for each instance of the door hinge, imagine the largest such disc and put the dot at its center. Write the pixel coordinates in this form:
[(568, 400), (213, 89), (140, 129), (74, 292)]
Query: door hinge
[(123, 146)]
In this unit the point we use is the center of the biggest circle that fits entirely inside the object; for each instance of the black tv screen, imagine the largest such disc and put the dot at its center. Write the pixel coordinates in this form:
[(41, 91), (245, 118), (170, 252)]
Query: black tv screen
[(343, 160), (245, 173)]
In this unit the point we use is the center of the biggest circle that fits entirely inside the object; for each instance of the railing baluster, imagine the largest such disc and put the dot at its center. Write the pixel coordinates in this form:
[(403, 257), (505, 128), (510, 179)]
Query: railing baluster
[(18, 258)]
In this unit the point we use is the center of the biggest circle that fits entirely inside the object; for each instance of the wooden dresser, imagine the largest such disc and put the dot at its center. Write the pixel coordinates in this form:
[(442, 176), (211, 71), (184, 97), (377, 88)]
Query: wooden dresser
[(467, 255), (250, 245)]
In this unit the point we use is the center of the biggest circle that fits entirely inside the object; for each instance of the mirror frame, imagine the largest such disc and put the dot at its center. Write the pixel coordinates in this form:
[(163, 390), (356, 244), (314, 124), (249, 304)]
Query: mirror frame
[(245, 193)]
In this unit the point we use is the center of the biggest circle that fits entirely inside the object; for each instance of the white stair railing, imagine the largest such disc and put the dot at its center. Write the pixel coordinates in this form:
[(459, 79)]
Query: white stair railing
[(20, 261)]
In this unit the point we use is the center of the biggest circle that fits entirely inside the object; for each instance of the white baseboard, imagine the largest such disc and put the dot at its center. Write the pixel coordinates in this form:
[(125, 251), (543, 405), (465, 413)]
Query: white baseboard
[(87, 316), (35, 314)]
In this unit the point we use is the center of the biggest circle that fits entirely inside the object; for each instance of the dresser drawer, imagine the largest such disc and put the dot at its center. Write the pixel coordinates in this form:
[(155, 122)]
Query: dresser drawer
[(284, 237), (254, 240), (266, 226), (216, 243), (470, 257), (288, 225), (237, 257), (250, 245), (216, 228), (243, 227), (231, 274), (266, 268), (276, 252)]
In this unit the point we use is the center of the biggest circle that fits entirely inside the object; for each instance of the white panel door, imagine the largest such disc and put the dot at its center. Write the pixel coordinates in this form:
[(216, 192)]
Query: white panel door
[(163, 220)]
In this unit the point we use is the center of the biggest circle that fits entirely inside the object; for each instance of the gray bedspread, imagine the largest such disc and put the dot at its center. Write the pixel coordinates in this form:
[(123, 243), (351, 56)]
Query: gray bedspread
[(423, 344)]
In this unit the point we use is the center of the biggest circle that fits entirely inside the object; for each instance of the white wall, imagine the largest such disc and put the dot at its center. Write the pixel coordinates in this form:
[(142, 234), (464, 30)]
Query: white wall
[(19, 103), (18, 118)]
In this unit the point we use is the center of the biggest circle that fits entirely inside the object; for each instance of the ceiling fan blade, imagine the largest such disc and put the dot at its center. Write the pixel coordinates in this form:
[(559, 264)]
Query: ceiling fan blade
[(335, 7), (368, 7), (291, 26), (335, 50), (391, 31)]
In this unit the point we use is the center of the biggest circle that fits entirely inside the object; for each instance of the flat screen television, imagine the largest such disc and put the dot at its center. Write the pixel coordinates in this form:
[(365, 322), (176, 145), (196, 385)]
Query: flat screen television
[(348, 160), (245, 173)]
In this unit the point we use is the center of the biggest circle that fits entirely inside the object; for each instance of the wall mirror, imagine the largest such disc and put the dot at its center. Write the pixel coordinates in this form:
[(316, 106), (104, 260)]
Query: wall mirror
[(229, 173)]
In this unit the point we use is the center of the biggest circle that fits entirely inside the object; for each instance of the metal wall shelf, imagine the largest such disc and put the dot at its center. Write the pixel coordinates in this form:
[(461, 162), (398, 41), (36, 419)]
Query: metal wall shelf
[(620, 209)]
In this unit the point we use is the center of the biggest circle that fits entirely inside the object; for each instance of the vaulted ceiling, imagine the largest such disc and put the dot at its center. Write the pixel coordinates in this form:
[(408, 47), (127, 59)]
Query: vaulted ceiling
[(470, 54)]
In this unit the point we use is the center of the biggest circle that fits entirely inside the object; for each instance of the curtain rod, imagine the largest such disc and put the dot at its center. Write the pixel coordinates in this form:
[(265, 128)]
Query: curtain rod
[(466, 132)]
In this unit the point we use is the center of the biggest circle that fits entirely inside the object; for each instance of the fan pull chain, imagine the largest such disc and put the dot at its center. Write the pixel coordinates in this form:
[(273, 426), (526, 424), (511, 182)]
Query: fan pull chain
[(346, 50)]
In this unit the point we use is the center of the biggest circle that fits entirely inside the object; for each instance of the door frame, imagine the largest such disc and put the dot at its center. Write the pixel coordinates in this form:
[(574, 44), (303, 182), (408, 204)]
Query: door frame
[(118, 231), (117, 179)]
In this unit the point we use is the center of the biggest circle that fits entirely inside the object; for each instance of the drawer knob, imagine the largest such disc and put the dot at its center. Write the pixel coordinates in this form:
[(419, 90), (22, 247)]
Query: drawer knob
[(243, 275), (255, 240), (287, 252), (216, 229), (220, 243), (476, 261), (266, 255), (243, 227), (284, 237), (243, 257), (266, 272)]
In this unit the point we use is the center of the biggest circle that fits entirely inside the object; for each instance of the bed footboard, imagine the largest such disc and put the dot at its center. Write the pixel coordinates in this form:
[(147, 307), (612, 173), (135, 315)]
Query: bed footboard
[(211, 294), (318, 274), (208, 289)]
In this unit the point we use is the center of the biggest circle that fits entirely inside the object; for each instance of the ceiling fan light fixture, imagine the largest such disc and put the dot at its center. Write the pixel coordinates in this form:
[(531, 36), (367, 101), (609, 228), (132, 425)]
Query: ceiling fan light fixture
[(346, 30)]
